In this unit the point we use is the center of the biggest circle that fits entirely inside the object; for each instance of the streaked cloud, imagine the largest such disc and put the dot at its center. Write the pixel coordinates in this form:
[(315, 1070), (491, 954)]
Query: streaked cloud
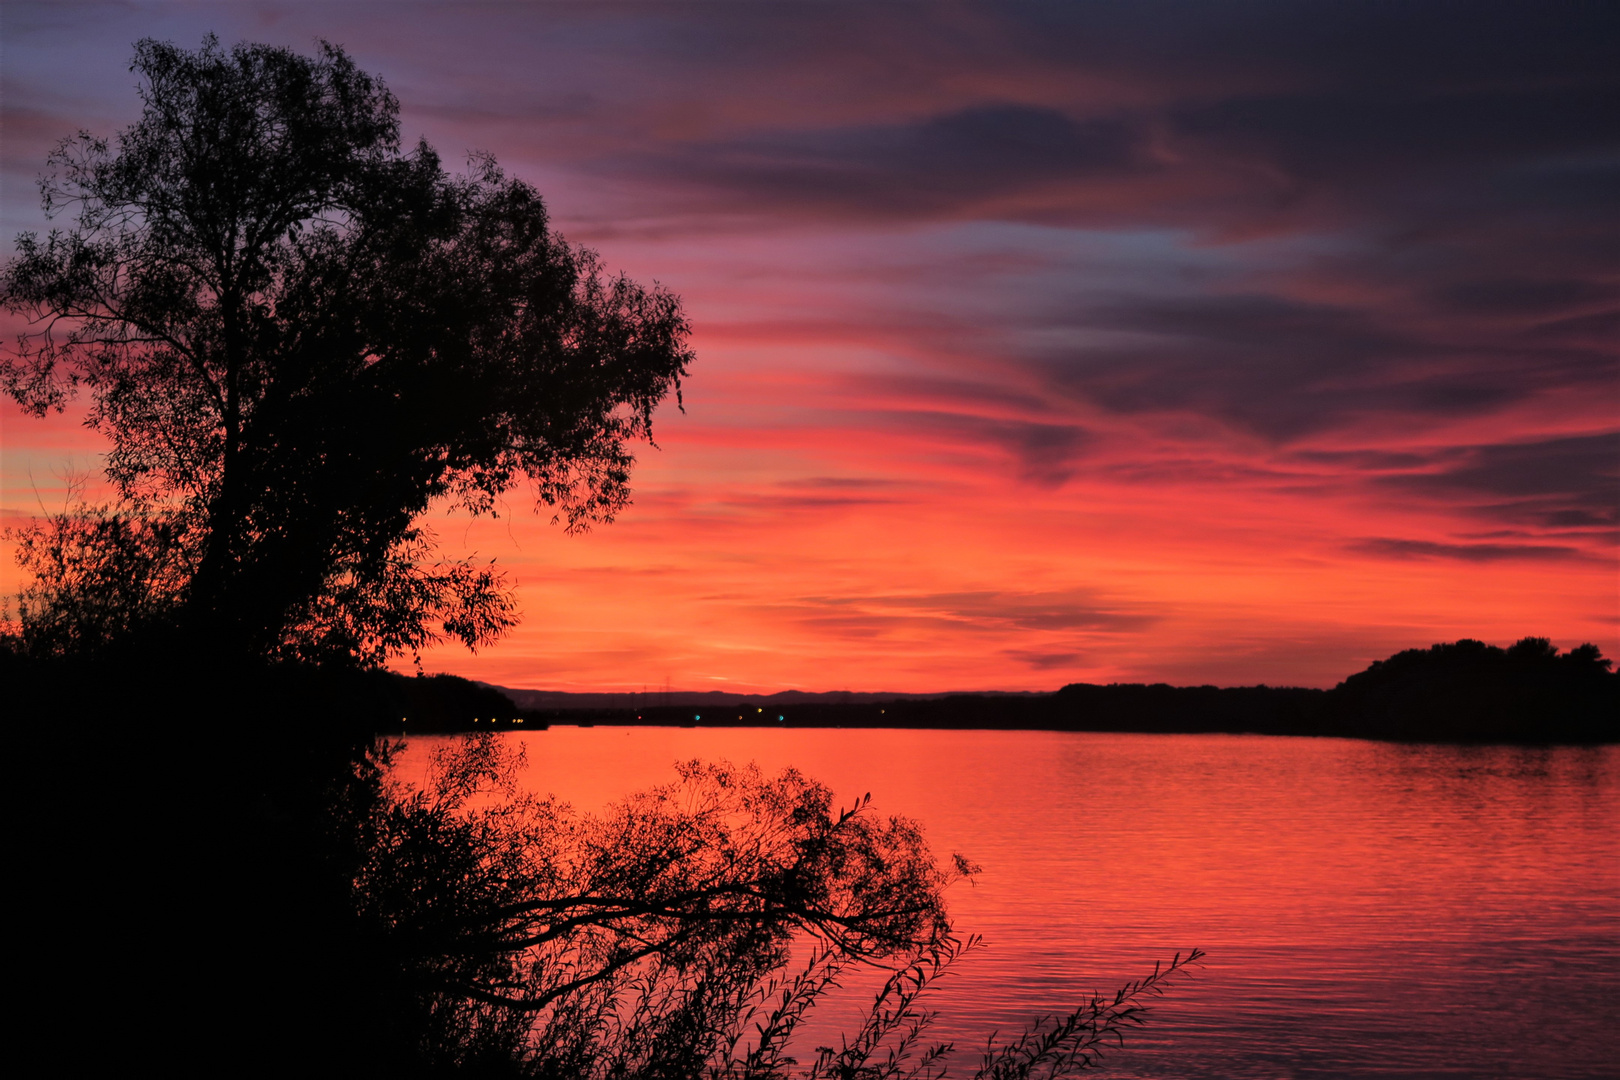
[(1393, 548)]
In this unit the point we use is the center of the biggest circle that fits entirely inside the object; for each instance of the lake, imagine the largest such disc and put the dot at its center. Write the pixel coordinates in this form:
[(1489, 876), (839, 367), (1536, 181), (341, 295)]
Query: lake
[(1369, 909)]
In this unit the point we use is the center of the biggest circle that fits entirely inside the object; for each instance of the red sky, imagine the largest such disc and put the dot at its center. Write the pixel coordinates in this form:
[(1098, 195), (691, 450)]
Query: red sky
[(1036, 344)]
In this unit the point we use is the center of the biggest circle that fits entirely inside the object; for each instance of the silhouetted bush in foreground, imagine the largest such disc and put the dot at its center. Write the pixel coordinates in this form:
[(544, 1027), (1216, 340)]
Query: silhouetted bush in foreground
[(655, 939), (255, 893)]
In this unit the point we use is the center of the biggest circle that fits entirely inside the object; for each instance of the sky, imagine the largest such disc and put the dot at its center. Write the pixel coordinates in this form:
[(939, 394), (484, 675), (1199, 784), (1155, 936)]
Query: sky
[(1199, 343)]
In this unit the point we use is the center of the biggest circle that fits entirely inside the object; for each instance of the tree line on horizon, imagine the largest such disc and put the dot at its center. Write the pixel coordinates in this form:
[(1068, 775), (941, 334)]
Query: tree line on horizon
[(1465, 691)]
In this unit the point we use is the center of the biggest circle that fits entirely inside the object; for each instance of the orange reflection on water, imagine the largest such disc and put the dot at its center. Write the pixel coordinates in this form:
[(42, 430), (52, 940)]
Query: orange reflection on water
[(1367, 907)]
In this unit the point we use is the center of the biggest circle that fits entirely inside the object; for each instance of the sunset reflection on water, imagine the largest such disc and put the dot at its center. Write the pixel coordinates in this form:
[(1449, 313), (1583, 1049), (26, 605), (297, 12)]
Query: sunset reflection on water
[(1368, 908)]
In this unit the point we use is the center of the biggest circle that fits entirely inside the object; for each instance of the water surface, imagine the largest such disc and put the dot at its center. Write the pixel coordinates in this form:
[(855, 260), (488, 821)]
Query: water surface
[(1369, 909)]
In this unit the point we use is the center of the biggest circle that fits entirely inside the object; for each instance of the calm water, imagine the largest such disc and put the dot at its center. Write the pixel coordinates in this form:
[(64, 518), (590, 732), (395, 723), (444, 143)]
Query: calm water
[(1368, 909)]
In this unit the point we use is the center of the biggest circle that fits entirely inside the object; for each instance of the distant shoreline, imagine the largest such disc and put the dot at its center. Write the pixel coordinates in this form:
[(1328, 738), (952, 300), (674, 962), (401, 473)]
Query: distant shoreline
[(1120, 709), (1466, 692)]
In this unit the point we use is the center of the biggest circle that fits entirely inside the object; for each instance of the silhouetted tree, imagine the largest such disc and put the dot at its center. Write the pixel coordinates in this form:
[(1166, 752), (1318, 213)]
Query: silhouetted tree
[(297, 336)]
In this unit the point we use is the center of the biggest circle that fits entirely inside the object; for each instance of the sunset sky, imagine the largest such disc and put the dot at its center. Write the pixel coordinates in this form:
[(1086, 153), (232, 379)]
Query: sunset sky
[(1187, 342)]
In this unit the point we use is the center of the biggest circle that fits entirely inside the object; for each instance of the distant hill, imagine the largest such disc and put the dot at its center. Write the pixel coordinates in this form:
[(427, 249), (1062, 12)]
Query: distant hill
[(1466, 691)]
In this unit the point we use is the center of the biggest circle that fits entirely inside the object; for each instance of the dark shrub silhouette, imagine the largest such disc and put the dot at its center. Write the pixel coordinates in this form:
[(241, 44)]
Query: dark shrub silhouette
[(520, 937)]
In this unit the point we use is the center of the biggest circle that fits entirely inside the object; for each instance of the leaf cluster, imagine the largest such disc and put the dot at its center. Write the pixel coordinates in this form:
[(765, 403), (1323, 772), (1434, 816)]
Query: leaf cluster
[(98, 577)]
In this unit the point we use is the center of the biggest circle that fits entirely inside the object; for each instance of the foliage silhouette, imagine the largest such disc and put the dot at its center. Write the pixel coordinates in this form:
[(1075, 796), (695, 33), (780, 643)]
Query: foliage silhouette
[(99, 577), (653, 940), (315, 912), (297, 337)]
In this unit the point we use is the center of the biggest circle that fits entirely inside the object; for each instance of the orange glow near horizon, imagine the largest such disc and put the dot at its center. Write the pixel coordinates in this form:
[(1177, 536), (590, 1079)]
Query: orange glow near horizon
[(743, 566), (808, 524), (1015, 367)]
